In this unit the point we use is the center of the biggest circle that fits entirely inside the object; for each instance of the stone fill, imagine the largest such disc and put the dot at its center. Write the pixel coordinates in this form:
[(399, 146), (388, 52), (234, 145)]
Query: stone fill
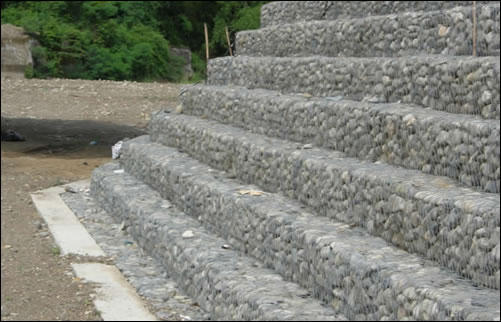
[(418, 212), (224, 283), (458, 84), (283, 12), (304, 247), (427, 32), (458, 146)]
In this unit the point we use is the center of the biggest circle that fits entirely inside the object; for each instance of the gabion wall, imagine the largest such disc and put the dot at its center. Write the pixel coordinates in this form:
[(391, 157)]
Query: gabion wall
[(281, 12), (458, 146), (466, 85), (458, 228), (210, 274), (436, 32), (295, 244)]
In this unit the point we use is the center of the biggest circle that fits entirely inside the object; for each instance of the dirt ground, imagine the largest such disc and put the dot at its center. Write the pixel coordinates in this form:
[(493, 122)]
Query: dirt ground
[(69, 126)]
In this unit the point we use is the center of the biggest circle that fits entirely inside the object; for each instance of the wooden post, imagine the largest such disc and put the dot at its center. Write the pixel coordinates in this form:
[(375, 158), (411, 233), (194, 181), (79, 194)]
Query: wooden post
[(474, 35), (228, 39), (206, 42)]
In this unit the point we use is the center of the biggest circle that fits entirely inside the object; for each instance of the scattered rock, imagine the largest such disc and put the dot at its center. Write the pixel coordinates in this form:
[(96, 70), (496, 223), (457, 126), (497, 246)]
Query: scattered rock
[(443, 30), (12, 136), (251, 192), (115, 150), (69, 189), (307, 146), (188, 234), (409, 119), (122, 226)]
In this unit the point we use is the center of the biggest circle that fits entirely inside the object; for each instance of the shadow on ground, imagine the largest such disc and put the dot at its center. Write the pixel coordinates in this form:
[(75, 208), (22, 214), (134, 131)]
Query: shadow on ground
[(71, 139)]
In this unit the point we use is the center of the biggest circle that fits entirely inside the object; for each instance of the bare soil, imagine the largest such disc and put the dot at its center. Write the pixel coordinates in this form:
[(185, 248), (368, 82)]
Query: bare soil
[(69, 126)]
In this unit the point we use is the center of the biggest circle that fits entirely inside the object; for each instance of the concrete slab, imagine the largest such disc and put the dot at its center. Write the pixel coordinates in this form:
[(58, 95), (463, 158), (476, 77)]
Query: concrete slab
[(69, 234), (116, 300)]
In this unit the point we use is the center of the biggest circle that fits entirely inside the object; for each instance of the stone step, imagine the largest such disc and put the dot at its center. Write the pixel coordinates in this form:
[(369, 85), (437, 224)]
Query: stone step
[(281, 12), (227, 284), (462, 147), (362, 276), (447, 32), (434, 216), (144, 273), (466, 85)]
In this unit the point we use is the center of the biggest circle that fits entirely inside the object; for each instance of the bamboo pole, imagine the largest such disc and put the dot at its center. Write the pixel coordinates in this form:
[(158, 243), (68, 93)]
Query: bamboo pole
[(228, 39), (206, 42), (474, 36)]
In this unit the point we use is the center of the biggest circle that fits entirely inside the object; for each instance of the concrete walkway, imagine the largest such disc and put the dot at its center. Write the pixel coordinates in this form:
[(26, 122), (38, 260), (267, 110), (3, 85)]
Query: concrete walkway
[(116, 299)]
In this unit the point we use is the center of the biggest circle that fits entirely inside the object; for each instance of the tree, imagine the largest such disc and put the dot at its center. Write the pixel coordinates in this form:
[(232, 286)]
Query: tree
[(127, 39)]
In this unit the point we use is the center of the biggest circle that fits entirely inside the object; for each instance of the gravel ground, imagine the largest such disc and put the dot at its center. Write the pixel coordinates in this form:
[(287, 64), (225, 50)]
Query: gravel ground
[(69, 127)]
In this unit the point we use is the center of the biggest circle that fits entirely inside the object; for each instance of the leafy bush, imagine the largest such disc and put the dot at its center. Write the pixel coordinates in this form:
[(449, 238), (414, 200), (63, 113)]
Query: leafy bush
[(126, 40), (28, 72), (237, 16), (199, 68)]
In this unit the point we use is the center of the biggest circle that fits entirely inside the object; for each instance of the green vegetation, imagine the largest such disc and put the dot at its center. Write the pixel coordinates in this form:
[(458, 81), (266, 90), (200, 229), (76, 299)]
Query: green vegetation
[(127, 40)]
